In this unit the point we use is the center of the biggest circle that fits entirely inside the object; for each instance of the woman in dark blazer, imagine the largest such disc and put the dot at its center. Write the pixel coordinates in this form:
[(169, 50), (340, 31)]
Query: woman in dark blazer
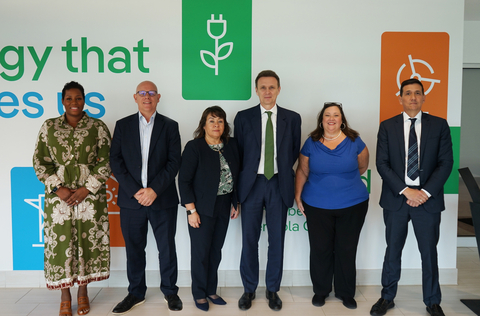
[(207, 183)]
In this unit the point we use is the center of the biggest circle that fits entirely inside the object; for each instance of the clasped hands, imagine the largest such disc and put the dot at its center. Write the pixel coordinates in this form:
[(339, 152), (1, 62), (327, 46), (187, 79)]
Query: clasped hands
[(415, 197), (145, 196), (72, 196)]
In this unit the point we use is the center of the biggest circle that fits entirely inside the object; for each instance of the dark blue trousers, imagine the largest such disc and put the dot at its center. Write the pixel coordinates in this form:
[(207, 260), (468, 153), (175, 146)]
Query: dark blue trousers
[(427, 231), (134, 224), (264, 194), (206, 244)]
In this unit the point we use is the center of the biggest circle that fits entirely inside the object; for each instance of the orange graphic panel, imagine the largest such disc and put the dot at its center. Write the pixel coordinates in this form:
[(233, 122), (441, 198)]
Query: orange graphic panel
[(420, 55), (116, 237)]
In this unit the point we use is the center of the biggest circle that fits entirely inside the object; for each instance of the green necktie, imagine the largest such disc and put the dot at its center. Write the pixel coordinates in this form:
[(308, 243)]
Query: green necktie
[(269, 149)]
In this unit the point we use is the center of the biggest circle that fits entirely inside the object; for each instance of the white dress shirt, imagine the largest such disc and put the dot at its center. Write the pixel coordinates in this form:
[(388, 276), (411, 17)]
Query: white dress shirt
[(145, 136)]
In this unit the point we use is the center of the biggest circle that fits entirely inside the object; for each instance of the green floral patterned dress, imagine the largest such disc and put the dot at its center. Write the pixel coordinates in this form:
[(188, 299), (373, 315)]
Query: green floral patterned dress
[(77, 245)]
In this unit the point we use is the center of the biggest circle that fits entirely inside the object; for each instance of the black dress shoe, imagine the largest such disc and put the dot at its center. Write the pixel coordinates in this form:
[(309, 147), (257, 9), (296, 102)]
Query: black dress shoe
[(174, 302), (381, 307), (435, 310), (348, 301), (274, 302), (318, 300), (129, 302), (245, 302)]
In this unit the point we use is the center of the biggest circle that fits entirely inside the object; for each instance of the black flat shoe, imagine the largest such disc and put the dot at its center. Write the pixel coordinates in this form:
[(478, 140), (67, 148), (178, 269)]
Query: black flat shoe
[(318, 300), (174, 302), (274, 302), (245, 302), (202, 306), (129, 302), (217, 301)]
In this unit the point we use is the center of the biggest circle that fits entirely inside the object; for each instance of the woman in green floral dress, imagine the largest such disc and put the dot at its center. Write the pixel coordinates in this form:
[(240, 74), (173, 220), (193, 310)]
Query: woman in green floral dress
[(72, 159)]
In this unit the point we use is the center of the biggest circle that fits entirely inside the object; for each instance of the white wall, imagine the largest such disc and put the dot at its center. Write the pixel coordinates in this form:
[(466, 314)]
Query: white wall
[(471, 43), (322, 50)]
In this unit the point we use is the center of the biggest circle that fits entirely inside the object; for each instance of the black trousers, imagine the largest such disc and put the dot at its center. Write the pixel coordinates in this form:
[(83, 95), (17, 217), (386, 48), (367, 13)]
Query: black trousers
[(134, 224), (206, 244), (333, 236)]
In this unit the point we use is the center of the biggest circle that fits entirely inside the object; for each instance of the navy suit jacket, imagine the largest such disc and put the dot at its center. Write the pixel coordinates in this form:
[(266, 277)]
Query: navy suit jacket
[(248, 132), (199, 175), (436, 161), (163, 161)]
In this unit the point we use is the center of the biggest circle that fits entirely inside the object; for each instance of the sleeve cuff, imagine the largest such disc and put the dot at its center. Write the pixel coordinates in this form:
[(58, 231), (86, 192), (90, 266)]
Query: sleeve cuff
[(52, 182), (92, 184), (427, 193)]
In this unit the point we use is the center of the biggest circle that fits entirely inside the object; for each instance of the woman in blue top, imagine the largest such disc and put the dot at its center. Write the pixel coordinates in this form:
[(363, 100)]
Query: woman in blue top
[(331, 195)]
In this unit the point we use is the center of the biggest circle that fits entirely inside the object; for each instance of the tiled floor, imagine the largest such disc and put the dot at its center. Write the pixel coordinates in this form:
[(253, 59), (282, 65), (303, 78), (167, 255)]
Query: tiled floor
[(296, 300)]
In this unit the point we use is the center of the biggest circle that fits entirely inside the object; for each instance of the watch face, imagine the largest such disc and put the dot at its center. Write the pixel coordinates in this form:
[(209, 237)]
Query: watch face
[(189, 213)]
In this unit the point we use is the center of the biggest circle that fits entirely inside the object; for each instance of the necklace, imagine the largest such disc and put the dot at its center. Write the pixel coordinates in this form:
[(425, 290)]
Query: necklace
[(333, 137)]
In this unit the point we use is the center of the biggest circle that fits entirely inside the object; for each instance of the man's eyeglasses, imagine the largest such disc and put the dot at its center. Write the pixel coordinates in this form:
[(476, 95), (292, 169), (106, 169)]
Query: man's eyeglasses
[(333, 103), (144, 93)]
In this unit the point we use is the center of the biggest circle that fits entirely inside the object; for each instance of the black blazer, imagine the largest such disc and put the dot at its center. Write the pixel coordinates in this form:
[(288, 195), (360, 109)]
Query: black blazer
[(436, 161), (199, 174), (248, 132), (163, 161)]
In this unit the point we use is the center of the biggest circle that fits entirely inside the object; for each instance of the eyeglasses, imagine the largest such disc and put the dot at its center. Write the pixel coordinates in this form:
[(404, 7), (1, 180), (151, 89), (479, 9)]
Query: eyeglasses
[(144, 93), (333, 103)]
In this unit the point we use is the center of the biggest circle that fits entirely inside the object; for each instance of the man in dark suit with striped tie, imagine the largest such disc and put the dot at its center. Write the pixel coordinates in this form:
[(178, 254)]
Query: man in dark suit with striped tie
[(414, 159)]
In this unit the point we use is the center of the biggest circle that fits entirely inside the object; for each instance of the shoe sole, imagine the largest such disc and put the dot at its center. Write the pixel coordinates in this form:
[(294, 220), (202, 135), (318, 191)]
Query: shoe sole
[(139, 303)]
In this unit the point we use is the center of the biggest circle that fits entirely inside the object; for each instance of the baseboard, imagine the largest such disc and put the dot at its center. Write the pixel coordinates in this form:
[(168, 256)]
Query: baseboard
[(226, 278)]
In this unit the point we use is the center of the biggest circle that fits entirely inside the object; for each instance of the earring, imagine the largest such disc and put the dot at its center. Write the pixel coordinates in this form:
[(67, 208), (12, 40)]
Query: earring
[(342, 128)]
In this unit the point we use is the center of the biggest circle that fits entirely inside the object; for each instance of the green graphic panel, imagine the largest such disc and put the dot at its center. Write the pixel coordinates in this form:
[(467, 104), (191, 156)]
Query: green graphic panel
[(216, 49), (451, 186)]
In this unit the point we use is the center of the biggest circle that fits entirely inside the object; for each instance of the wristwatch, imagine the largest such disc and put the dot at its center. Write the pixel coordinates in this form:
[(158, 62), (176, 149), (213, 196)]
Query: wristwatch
[(190, 212), (56, 188)]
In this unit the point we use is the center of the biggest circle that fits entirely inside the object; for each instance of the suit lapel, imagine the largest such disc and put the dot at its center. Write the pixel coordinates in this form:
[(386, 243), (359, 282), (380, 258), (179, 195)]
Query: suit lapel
[(157, 129), (424, 136), (400, 134), (135, 132), (256, 120), (281, 126)]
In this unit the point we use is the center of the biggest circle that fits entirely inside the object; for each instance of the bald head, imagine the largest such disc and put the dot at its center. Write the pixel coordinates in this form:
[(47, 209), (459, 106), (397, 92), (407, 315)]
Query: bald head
[(147, 104)]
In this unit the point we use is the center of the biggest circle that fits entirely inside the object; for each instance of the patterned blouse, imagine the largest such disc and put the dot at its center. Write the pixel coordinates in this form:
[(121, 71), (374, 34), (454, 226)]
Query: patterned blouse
[(226, 180)]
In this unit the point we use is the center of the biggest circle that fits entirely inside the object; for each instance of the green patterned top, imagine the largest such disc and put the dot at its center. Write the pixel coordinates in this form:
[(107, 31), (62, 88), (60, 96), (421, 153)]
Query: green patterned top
[(225, 185)]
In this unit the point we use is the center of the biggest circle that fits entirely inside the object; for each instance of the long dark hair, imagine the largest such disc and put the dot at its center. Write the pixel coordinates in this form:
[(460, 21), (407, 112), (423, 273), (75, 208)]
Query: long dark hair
[(215, 111), (317, 134)]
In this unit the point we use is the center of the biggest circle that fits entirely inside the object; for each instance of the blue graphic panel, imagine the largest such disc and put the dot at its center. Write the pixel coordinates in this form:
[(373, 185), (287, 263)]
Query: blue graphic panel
[(27, 219)]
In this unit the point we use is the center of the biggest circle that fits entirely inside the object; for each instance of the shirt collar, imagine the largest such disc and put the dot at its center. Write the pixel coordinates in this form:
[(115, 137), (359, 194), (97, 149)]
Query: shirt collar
[(63, 118), (143, 120), (406, 118), (274, 110)]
